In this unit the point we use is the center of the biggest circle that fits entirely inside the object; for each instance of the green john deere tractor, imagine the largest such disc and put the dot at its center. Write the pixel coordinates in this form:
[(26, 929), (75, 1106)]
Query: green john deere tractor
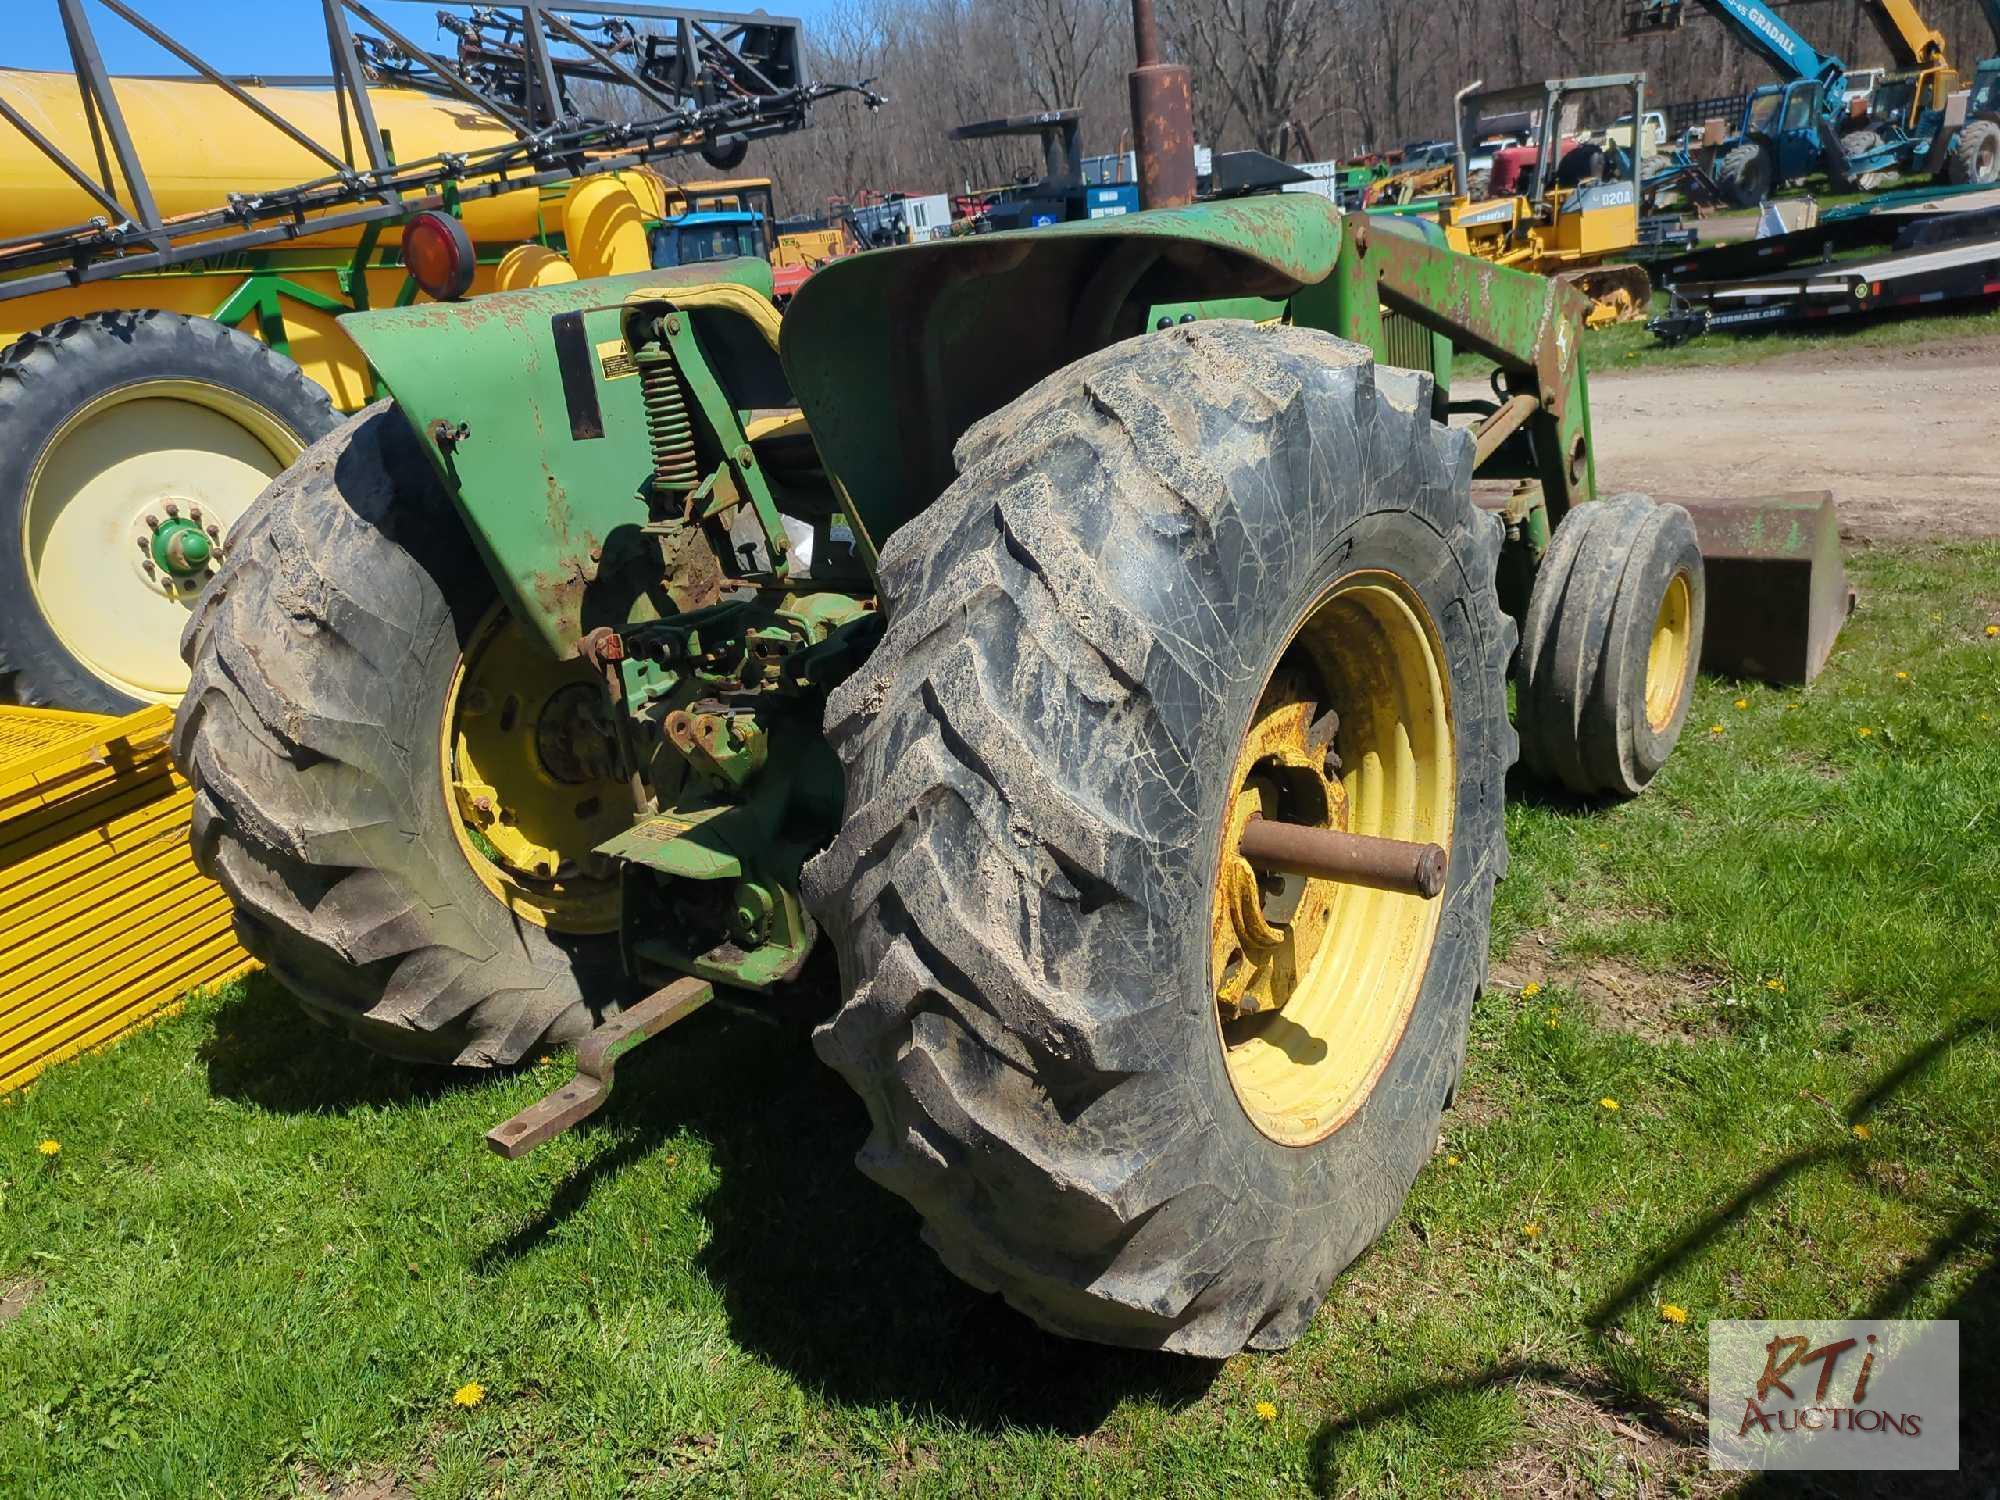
[(1121, 689)]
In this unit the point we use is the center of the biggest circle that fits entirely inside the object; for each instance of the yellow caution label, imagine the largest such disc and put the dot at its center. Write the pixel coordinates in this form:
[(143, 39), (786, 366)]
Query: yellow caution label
[(614, 360)]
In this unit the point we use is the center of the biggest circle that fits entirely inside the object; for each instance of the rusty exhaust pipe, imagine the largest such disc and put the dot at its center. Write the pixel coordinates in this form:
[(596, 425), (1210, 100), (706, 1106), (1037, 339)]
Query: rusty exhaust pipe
[(1397, 865), (1162, 118)]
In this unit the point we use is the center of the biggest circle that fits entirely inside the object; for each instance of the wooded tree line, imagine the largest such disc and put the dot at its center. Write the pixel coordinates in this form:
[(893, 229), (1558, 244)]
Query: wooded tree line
[(1302, 79)]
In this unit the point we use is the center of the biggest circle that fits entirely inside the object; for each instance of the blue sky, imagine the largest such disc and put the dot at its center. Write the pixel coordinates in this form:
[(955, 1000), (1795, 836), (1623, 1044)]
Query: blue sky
[(237, 36)]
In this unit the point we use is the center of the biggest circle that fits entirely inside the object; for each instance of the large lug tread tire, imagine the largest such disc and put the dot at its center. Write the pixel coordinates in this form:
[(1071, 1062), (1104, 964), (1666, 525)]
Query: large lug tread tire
[(48, 375), (1585, 644), (322, 657), (1746, 174), (1860, 143), (1036, 761), (1975, 155)]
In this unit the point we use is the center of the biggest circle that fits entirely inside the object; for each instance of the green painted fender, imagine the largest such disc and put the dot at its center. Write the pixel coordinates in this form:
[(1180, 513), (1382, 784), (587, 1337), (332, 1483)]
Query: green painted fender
[(892, 354), (550, 469)]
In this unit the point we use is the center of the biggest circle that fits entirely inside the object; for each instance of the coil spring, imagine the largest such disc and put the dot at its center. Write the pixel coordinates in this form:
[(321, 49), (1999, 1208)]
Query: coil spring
[(668, 430)]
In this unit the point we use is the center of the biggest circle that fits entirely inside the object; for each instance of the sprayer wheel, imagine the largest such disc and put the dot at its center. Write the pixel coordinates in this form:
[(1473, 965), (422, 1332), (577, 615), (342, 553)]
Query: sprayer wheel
[(134, 443)]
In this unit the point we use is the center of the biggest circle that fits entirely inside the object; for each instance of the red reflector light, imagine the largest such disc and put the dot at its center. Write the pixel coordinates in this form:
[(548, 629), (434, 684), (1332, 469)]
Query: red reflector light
[(438, 253)]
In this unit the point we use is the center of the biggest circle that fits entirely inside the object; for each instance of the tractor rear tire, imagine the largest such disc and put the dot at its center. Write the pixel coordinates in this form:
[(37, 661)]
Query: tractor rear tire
[(1043, 760), (1610, 646), (110, 419), (1747, 174), (323, 661), (1975, 156)]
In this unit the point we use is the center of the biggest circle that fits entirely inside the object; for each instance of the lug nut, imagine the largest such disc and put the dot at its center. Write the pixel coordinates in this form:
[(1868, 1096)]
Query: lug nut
[(143, 547), (150, 568), (194, 512), (173, 508), (153, 521), (214, 533)]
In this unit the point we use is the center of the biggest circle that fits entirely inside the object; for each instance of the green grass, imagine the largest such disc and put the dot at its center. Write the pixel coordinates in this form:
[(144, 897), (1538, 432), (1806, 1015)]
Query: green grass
[(266, 1260)]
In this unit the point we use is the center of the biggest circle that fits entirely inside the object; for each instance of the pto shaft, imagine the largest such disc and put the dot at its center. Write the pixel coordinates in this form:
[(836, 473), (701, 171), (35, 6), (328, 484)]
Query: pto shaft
[(1396, 865)]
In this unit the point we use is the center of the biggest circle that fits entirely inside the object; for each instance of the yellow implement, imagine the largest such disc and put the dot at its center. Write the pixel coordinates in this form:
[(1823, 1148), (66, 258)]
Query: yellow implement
[(107, 921)]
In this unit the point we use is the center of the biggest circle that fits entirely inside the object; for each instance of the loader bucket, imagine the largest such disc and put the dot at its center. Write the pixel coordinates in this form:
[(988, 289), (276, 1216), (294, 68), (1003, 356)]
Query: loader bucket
[(1777, 593)]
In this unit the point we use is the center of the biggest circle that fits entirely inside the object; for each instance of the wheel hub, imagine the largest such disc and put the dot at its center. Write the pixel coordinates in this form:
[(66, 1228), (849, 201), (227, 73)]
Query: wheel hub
[(1315, 978), (1267, 923), (531, 764), (1666, 654), (179, 547)]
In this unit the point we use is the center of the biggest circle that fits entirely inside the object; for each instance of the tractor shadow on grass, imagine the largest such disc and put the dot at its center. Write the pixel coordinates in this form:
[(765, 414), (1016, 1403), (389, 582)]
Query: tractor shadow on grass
[(264, 1050), (822, 1273), (1616, 1382)]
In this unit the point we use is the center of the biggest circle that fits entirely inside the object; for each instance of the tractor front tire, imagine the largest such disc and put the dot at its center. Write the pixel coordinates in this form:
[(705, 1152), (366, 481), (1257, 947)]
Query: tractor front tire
[(1209, 572), (1975, 155), (1747, 174), (326, 661), (117, 425), (1610, 646)]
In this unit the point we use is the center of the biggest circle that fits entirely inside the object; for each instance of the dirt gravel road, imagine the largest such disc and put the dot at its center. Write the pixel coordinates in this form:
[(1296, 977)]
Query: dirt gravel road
[(1908, 440)]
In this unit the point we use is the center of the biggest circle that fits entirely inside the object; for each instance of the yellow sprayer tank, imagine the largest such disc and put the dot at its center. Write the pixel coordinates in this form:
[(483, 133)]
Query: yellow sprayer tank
[(127, 415), (197, 146)]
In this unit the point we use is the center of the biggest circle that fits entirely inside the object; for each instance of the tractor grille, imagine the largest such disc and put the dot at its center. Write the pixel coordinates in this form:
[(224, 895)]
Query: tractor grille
[(1406, 342)]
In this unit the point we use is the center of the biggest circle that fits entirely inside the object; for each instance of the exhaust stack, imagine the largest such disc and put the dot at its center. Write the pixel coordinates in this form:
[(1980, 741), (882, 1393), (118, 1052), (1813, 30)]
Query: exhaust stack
[(1162, 118)]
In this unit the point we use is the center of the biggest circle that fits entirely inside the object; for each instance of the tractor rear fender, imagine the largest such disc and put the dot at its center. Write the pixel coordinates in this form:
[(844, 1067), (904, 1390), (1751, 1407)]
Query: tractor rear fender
[(894, 354), (532, 415)]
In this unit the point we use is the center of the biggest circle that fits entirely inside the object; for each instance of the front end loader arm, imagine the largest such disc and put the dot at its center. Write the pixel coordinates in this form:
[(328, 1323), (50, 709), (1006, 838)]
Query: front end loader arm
[(1530, 326)]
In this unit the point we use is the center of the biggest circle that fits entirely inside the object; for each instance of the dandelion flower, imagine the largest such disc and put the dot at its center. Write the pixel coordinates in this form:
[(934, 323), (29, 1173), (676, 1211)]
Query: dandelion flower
[(1742, 702), (1673, 1312), (1531, 989), (1267, 1411), (1993, 630), (1902, 677), (469, 1394), (1862, 1133), (1775, 984), (50, 1148), (1715, 729), (1864, 731), (1451, 1161), (1607, 1102), (1531, 1230)]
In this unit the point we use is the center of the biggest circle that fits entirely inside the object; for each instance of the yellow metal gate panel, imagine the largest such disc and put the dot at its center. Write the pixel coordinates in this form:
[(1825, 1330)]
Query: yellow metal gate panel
[(104, 920)]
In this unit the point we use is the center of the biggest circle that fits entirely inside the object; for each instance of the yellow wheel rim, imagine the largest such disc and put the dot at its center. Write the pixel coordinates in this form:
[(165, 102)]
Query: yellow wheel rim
[(1314, 979), (530, 770), (125, 463), (1667, 656)]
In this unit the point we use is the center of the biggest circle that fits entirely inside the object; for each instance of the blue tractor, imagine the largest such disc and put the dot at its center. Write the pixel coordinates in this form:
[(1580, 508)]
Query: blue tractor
[(710, 234), (1805, 123)]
